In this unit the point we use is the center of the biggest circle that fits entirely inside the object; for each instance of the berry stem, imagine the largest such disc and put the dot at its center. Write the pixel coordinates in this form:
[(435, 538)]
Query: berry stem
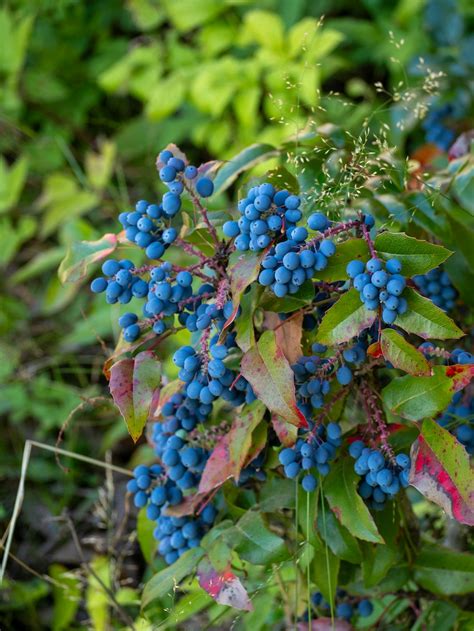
[(375, 414), (330, 232), (202, 210)]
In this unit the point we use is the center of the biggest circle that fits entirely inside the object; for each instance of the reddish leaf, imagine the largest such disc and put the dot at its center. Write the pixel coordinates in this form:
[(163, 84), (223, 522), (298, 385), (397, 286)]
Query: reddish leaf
[(224, 587), (461, 374), (82, 254), (230, 454), (187, 507), (133, 383), (271, 377), (288, 334), (243, 270), (375, 350), (286, 432), (441, 471)]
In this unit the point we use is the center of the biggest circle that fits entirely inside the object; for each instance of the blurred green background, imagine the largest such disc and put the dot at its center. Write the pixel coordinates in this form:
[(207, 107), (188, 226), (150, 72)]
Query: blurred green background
[(90, 91)]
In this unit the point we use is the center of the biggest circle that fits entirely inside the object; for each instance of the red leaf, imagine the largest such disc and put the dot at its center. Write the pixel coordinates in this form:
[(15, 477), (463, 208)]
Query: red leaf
[(288, 334), (230, 454), (375, 350), (286, 432), (440, 470), (133, 384), (271, 377), (224, 587), (242, 274), (461, 374)]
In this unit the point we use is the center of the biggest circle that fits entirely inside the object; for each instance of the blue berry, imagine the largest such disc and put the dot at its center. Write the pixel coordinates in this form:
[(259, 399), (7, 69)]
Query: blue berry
[(205, 187)]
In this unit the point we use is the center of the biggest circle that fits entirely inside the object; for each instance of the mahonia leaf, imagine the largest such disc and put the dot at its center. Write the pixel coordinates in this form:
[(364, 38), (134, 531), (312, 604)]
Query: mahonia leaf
[(401, 354), (345, 319)]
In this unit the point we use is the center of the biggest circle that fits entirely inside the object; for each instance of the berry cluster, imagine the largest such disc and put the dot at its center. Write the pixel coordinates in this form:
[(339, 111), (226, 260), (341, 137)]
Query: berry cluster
[(313, 453), (382, 478), (346, 605), (148, 225), (379, 287), (176, 535), (437, 286), (265, 213), (120, 282)]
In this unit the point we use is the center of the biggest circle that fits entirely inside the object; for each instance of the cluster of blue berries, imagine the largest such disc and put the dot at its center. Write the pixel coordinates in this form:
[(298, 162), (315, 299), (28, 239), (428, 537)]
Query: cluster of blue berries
[(380, 287), (382, 479), (437, 286), (346, 606), (176, 535), (265, 213), (311, 454), (173, 170), (148, 225), (120, 282)]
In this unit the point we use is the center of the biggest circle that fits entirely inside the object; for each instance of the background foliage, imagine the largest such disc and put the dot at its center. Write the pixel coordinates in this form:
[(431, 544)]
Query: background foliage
[(89, 93)]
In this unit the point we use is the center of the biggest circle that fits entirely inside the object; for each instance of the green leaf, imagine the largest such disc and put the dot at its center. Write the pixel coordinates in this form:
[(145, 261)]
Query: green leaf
[(99, 166), (345, 319), (438, 616), (272, 37), (415, 398), (146, 540), (257, 544), (267, 370), (340, 490), (187, 14), (441, 471), (134, 385), (338, 538), (165, 97), (243, 161), (325, 570), (67, 596), (12, 180), (401, 354), (97, 599), (346, 251), (164, 583), (74, 267), (426, 319), (244, 325), (303, 297), (377, 561), (415, 255), (444, 572)]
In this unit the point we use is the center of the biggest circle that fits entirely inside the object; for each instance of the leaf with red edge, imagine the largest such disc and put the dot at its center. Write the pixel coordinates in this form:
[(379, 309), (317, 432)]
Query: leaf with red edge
[(82, 254), (401, 354), (189, 505), (230, 453), (133, 385), (288, 334), (416, 398), (345, 319), (244, 268), (441, 471), (375, 350), (286, 432), (269, 373), (224, 587)]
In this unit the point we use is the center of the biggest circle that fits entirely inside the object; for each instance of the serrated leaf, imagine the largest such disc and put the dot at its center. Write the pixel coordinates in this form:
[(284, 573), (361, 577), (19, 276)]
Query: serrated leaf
[(425, 319), (133, 385), (401, 354), (441, 471), (443, 571), (415, 255), (224, 587), (415, 398), (350, 250), (230, 453), (243, 161), (267, 370), (81, 255), (165, 582), (345, 319), (340, 490)]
